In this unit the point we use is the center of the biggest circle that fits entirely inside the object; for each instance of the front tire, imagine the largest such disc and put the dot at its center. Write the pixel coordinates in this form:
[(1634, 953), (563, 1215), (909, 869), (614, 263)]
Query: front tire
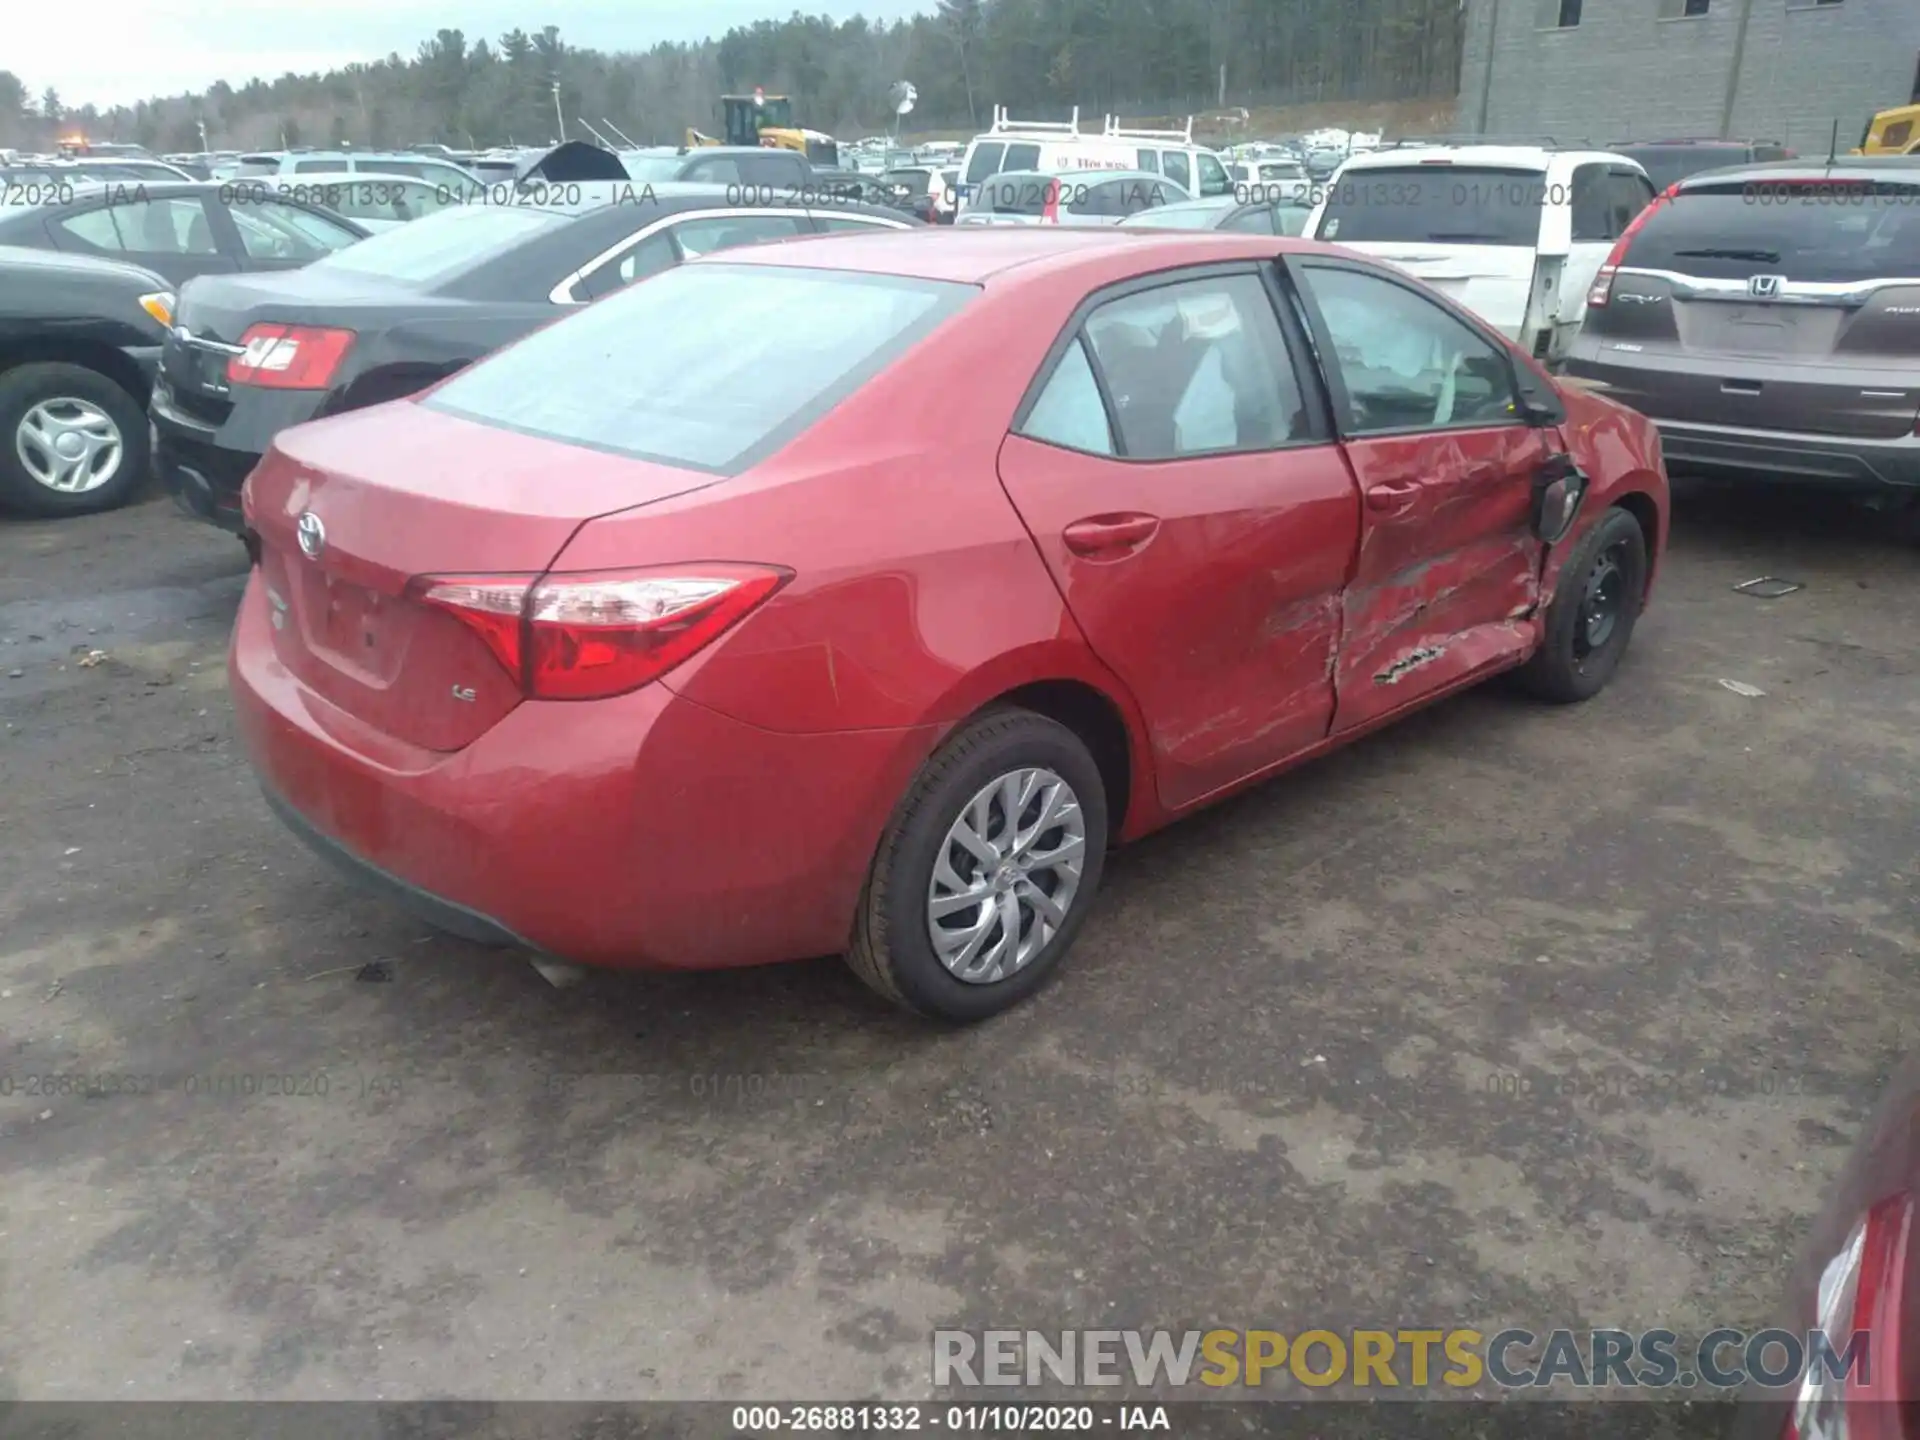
[(72, 442), (1591, 618), (986, 872)]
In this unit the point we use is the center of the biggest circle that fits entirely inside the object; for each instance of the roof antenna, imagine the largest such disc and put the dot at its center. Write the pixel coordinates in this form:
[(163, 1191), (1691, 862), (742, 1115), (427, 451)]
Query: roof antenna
[(1833, 142)]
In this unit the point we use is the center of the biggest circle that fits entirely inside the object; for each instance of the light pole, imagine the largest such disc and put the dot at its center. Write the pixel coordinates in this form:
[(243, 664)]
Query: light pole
[(558, 118)]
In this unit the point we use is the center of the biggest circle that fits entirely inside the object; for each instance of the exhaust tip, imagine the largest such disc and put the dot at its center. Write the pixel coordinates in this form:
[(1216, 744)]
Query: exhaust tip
[(558, 973)]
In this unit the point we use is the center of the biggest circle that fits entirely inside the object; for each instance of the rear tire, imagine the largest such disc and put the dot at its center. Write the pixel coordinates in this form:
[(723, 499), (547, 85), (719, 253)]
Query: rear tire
[(1591, 619), (977, 965), (48, 408)]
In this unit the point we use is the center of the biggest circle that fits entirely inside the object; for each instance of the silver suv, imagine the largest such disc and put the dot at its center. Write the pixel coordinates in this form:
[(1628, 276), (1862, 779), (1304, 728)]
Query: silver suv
[(1767, 318)]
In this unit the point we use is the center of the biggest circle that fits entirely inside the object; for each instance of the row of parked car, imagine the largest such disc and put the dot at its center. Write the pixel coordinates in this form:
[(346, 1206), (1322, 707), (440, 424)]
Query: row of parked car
[(1764, 331)]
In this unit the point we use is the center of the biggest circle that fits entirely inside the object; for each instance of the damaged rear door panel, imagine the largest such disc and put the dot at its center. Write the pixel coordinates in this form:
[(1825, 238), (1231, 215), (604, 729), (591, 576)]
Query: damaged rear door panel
[(1446, 579)]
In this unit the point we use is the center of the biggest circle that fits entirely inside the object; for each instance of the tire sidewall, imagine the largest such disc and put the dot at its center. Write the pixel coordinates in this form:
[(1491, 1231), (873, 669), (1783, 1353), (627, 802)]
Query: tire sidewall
[(1587, 681), (924, 982), (28, 385)]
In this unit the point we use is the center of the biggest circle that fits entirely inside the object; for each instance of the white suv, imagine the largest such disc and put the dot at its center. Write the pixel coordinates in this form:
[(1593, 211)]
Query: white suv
[(1516, 233)]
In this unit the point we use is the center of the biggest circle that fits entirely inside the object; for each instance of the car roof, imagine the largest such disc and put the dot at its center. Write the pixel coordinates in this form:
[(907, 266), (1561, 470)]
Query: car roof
[(1842, 167), (313, 177), (1509, 157), (993, 255)]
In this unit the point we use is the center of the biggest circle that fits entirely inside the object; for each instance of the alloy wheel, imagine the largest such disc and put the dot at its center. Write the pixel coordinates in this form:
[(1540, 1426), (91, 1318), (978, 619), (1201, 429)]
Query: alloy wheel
[(1006, 875)]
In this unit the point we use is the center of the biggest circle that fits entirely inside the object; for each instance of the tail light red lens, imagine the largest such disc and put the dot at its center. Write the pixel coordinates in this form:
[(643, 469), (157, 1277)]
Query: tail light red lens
[(289, 357), (591, 635), (1602, 291), (1862, 1292)]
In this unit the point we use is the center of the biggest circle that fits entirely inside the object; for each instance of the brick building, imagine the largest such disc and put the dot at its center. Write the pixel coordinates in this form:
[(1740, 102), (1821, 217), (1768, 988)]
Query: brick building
[(1613, 70)]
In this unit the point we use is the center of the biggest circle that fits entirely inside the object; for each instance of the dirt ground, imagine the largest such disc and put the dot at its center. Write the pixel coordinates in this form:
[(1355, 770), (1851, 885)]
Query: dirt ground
[(1507, 1016)]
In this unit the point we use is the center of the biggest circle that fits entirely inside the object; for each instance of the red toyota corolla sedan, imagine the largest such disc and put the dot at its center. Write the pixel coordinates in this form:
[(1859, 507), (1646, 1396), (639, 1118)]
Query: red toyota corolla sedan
[(855, 594)]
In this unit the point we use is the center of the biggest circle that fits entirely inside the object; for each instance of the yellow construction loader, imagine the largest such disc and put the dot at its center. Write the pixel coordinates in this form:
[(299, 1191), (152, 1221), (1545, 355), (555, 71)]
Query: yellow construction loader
[(767, 120)]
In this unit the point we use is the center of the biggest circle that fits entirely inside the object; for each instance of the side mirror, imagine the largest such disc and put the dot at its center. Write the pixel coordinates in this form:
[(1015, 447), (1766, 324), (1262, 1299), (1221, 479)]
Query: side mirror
[(1558, 488)]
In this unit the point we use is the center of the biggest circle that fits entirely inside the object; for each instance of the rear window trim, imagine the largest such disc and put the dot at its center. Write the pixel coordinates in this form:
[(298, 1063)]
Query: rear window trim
[(955, 296)]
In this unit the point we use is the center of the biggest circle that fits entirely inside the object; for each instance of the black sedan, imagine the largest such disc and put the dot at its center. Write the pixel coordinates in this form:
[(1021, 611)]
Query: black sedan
[(179, 228), (253, 354)]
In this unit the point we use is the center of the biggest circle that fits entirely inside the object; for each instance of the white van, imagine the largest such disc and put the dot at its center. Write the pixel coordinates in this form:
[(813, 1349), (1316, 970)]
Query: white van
[(1027, 145), (1516, 233)]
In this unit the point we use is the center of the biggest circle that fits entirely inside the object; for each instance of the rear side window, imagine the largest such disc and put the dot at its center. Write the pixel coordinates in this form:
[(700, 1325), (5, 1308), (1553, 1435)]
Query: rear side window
[(708, 367), (1816, 231), (1435, 205), (316, 167), (1069, 411), (441, 245), (1022, 157), (1147, 160)]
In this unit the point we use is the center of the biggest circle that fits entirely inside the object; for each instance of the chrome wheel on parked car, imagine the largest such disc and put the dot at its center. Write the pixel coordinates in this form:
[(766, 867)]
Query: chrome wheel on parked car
[(69, 444), (1006, 875)]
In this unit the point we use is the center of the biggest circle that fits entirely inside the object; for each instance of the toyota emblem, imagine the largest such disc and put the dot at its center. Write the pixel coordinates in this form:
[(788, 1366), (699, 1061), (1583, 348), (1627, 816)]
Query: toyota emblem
[(313, 535)]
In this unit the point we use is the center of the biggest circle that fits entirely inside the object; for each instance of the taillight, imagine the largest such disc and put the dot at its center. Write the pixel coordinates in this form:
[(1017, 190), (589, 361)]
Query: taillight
[(590, 635), (1861, 1293), (289, 357), (1050, 215), (1602, 290)]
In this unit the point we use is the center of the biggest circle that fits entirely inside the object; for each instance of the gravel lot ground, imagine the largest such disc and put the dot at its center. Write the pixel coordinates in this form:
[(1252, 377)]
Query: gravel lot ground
[(1312, 1062)]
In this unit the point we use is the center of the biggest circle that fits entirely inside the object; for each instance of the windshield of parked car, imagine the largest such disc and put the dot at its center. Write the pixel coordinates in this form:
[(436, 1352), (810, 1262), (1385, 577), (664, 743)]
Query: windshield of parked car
[(1816, 230), (442, 244), (708, 366), (1435, 205)]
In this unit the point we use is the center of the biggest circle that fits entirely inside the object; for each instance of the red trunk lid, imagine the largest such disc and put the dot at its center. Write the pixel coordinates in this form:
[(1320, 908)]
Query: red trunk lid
[(401, 491)]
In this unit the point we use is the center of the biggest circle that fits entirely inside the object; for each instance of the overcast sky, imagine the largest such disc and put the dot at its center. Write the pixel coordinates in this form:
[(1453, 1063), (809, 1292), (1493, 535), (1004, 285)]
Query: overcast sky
[(117, 51)]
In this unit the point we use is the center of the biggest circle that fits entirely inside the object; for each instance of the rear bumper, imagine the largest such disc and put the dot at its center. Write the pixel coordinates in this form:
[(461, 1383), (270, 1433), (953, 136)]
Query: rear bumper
[(643, 831), (202, 465), (442, 913), (1774, 455)]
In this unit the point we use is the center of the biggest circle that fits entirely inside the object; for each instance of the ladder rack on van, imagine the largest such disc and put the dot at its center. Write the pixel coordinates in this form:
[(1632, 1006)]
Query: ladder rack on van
[(1115, 131), (1003, 124)]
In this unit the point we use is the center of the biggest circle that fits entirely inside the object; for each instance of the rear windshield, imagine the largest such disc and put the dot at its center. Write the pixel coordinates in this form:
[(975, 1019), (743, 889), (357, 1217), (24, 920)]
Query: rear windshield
[(257, 165), (1435, 205), (1665, 164), (707, 366), (442, 244), (1816, 231)]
